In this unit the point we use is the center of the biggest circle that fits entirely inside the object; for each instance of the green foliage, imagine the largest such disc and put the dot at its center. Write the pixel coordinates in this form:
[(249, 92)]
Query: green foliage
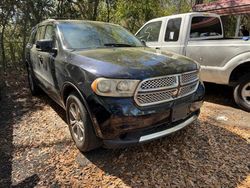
[(17, 17)]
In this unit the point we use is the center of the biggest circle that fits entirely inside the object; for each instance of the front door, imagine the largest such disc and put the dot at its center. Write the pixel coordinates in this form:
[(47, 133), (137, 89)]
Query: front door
[(150, 33), (48, 61)]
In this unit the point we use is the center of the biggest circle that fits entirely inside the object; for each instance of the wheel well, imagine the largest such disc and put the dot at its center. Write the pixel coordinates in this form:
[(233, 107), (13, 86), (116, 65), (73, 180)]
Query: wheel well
[(67, 90), (238, 72)]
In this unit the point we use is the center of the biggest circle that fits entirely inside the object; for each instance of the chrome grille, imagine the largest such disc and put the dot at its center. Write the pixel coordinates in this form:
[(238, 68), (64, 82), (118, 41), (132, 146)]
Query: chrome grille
[(189, 77), (156, 97), (186, 90), (159, 83), (163, 89)]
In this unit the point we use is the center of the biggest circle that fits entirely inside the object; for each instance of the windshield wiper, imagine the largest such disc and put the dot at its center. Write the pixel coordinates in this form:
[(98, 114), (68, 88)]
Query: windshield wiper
[(118, 45)]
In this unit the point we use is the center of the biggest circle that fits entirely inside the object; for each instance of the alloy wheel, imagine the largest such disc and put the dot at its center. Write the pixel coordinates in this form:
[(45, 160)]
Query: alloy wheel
[(76, 122), (245, 93)]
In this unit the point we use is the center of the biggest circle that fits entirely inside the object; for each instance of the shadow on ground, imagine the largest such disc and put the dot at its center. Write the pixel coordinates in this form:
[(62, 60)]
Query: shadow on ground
[(14, 104), (220, 94)]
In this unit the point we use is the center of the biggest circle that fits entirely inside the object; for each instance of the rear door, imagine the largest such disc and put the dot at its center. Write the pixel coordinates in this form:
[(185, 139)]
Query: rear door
[(35, 56), (151, 33), (204, 45), (30, 52)]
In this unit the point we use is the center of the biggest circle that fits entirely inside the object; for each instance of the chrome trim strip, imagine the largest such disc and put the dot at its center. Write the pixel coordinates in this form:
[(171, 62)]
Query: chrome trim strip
[(168, 131)]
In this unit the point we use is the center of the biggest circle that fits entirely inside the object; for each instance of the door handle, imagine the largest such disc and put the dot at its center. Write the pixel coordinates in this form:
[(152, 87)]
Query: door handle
[(157, 48)]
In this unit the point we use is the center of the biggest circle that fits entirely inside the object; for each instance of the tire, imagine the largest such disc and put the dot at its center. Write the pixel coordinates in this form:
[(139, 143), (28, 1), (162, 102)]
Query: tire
[(242, 93), (34, 88), (80, 124)]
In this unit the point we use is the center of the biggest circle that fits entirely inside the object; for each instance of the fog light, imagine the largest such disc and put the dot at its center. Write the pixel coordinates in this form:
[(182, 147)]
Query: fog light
[(196, 106)]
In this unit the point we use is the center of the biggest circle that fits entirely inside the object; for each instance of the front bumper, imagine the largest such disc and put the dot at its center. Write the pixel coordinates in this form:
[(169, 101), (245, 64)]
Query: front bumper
[(147, 135), (116, 118)]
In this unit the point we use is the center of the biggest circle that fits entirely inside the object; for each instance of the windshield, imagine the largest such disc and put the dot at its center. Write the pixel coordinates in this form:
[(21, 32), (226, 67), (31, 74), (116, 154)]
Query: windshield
[(85, 35)]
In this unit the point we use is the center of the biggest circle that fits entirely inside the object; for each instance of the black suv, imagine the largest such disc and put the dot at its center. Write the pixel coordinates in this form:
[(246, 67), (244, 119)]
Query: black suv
[(116, 92)]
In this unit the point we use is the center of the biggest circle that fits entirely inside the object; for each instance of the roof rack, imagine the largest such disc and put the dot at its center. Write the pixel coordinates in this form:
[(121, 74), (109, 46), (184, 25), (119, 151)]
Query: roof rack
[(59, 18), (50, 19)]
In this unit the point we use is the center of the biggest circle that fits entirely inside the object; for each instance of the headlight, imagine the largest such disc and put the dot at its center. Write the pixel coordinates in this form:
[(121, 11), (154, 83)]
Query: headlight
[(114, 87)]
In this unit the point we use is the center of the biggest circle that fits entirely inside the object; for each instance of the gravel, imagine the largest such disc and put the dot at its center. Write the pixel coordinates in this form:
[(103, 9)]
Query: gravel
[(36, 148)]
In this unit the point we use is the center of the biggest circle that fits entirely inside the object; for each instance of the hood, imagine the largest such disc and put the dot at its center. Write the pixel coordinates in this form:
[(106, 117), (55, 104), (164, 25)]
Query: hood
[(132, 63)]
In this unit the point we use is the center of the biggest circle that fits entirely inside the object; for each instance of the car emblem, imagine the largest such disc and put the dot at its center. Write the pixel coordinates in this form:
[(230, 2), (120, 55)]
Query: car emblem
[(174, 93)]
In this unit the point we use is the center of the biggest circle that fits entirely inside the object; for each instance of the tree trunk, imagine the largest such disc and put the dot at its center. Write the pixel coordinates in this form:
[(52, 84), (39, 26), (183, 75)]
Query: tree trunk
[(4, 24), (24, 40), (3, 49), (12, 53), (108, 10), (96, 4)]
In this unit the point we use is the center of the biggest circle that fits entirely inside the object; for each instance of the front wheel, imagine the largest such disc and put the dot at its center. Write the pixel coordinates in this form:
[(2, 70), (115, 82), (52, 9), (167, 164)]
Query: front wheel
[(80, 124), (242, 93)]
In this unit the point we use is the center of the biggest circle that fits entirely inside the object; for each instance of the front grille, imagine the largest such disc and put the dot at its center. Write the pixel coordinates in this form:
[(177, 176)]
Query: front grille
[(158, 83), (155, 97), (186, 90), (164, 89), (190, 77)]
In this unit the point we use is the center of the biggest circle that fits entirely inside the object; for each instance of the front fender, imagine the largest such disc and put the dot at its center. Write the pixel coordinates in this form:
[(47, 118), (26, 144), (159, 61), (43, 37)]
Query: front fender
[(74, 88)]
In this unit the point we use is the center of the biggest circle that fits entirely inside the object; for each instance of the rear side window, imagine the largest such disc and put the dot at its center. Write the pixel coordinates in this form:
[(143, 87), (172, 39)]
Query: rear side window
[(40, 33), (173, 30), (205, 27), (32, 37), (150, 32)]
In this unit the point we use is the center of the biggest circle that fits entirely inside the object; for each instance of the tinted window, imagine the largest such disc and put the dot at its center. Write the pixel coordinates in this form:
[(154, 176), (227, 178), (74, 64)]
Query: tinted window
[(32, 37), (205, 27), (96, 35), (40, 33), (49, 32), (150, 32), (173, 30)]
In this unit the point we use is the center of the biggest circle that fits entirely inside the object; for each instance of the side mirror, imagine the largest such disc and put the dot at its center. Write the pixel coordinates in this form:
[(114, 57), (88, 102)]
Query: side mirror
[(45, 45)]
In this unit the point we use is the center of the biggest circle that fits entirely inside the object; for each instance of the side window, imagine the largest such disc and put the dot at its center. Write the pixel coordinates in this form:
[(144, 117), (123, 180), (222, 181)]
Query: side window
[(173, 30), (49, 32), (40, 33), (32, 37), (205, 27), (150, 32)]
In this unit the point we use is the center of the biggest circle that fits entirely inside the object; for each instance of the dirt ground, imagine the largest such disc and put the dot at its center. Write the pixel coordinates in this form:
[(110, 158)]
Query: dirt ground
[(36, 149)]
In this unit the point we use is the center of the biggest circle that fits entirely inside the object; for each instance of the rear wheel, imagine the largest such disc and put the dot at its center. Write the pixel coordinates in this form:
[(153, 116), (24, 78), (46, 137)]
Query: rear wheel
[(80, 125), (242, 93), (34, 88)]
